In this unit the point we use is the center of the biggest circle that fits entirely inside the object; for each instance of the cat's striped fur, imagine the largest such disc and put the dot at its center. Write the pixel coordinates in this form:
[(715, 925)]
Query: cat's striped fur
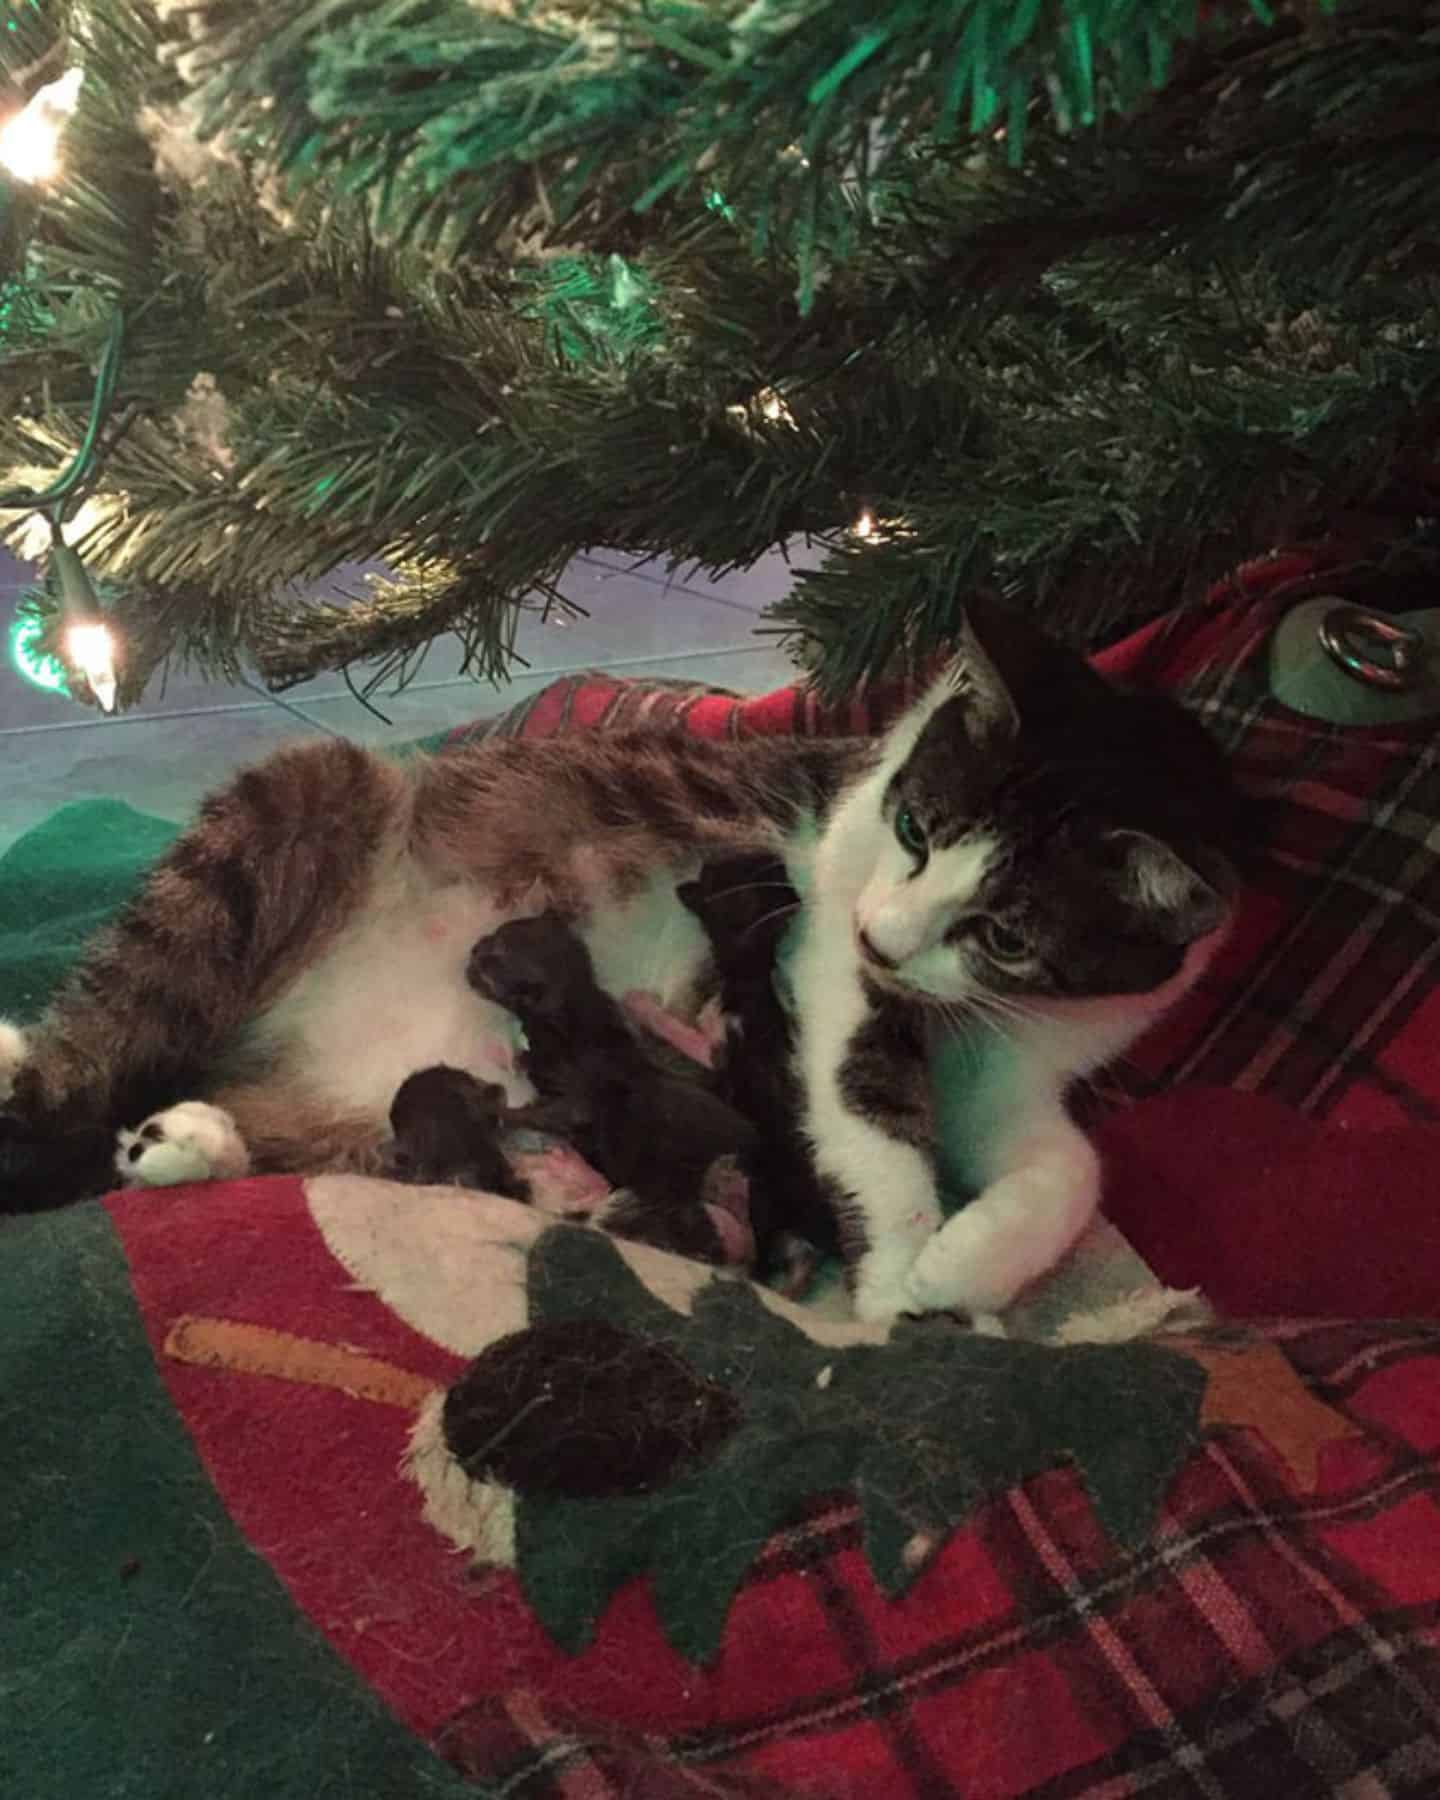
[(193, 991)]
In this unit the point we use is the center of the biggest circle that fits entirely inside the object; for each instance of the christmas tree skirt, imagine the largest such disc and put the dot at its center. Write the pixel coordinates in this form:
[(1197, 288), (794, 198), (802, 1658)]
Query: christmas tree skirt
[(671, 1535)]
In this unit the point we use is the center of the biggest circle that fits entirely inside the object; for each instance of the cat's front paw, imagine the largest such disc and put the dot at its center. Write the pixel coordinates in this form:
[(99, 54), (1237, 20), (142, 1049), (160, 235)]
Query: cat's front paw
[(967, 1267), (879, 1287), (1010, 1235), (190, 1142), (12, 1057)]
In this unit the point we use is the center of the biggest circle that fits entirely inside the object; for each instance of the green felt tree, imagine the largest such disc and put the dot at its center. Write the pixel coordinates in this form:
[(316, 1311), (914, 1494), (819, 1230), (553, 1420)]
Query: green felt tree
[(1081, 299), (921, 1430)]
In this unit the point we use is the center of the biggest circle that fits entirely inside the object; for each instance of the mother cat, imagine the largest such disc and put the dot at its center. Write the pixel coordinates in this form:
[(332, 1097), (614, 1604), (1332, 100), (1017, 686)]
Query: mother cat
[(1026, 847)]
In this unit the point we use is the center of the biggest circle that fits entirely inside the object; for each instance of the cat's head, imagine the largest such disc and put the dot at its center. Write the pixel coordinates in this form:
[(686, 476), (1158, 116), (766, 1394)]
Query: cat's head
[(1042, 837)]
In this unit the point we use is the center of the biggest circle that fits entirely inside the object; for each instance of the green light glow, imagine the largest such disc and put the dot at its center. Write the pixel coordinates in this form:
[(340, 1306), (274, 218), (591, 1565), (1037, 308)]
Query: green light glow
[(30, 661)]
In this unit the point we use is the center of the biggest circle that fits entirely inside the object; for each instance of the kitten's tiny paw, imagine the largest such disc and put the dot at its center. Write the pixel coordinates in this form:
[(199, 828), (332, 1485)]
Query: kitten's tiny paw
[(190, 1142), (12, 1057)]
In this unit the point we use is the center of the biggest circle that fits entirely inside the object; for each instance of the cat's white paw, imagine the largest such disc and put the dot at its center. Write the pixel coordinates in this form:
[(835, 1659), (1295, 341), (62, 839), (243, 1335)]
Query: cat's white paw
[(880, 1289), (989, 1325), (190, 1142), (12, 1057), (1014, 1232), (966, 1267)]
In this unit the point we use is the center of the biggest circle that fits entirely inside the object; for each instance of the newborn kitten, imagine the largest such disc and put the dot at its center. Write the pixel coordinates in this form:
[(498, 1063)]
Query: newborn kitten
[(447, 1126), (677, 1148), (746, 904)]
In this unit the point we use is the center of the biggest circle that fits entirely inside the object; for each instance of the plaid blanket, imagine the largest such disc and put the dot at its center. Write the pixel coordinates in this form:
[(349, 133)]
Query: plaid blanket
[(1272, 1629), (995, 1624)]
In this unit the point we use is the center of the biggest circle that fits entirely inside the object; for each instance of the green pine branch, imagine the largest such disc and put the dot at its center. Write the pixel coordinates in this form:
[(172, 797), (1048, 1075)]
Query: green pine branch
[(1088, 378), (469, 124)]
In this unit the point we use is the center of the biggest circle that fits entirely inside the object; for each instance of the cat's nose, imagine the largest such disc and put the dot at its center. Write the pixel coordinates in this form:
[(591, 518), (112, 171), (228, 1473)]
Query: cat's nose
[(871, 954)]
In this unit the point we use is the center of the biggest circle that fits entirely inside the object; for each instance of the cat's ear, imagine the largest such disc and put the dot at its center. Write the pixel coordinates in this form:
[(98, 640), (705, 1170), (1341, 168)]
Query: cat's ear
[(974, 676), (1178, 898)]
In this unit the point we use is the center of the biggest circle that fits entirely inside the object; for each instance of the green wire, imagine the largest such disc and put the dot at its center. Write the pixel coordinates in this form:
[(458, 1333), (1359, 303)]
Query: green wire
[(52, 500)]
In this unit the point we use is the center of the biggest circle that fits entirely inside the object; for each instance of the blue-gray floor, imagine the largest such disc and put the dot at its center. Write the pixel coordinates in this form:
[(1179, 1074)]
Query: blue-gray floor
[(163, 756)]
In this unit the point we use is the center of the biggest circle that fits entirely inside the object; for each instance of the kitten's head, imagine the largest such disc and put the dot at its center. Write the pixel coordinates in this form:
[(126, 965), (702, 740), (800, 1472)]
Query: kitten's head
[(745, 904), (536, 968), (1042, 837)]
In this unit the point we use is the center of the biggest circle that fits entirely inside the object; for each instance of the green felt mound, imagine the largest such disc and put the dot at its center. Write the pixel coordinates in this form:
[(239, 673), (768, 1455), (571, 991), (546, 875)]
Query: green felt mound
[(146, 1650), (62, 881)]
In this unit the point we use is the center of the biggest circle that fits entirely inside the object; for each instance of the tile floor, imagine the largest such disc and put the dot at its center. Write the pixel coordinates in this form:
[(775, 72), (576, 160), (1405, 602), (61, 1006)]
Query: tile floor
[(163, 756)]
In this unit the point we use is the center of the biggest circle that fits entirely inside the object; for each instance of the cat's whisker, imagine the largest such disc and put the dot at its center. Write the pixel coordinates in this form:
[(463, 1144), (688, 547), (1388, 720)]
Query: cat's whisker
[(779, 912), (748, 887)]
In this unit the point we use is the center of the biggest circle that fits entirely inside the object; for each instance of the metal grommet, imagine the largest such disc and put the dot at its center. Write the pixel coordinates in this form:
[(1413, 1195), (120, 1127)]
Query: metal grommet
[(1372, 648)]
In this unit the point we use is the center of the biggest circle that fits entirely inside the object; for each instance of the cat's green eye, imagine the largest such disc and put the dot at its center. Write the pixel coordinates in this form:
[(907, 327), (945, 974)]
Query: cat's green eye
[(911, 833)]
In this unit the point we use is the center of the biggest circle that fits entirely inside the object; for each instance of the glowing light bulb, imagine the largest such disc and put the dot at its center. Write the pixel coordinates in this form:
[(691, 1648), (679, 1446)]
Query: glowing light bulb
[(864, 526), (30, 141), (92, 649), (46, 672), (774, 408)]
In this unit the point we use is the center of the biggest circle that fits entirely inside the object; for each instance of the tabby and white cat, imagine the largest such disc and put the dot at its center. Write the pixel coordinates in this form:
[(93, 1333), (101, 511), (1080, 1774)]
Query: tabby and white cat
[(1026, 846)]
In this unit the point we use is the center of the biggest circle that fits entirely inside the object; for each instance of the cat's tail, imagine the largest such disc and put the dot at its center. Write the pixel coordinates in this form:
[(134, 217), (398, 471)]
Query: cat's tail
[(272, 867)]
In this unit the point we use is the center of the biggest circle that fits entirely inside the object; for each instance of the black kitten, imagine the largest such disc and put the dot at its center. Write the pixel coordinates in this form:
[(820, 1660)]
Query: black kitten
[(676, 1147), (447, 1126), (746, 904)]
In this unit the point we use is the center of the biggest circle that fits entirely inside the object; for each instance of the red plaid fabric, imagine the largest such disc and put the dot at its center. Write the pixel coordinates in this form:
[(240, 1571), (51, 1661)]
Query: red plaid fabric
[(1266, 1643), (1276, 1638), (1326, 996)]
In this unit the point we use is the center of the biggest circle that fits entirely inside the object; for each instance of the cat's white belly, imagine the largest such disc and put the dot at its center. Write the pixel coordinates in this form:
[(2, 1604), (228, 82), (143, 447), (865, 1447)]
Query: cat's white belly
[(390, 996)]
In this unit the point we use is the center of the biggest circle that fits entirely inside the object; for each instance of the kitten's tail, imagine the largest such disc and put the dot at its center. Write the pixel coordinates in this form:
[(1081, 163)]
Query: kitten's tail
[(274, 865)]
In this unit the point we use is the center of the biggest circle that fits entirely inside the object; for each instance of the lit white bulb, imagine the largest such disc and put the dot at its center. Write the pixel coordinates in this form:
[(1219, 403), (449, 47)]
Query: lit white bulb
[(864, 526), (92, 650), (774, 408), (30, 141)]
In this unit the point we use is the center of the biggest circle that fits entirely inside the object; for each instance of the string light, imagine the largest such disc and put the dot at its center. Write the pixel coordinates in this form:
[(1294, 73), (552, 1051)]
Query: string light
[(38, 668), (91, 648), (886, 528), (769, 404), (88, 642), (30, 141)]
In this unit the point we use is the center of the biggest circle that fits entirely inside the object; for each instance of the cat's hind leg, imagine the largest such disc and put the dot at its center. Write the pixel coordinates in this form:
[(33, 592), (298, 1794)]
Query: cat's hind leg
[(273, 867), (193, 1141), (253, 1128), (12, 1057)]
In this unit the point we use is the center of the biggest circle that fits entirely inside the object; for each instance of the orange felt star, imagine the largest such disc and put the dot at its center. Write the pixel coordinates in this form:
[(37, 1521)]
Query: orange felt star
[(1256, 1385)]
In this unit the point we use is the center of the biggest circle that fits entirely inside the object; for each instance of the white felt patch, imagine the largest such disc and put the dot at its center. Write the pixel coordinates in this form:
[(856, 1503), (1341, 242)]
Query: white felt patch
[(452, 1264), (478, 1516)]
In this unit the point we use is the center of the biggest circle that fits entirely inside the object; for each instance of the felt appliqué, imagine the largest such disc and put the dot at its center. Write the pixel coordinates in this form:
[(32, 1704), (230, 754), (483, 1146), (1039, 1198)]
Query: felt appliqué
[(1254, 1385), (690, 1441)]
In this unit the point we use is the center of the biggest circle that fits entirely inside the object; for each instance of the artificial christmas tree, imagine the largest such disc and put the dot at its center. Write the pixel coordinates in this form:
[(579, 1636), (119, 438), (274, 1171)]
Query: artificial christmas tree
[(1076, 300)]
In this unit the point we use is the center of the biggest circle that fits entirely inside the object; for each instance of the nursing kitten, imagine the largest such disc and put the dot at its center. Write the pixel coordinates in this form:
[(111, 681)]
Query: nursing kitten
[(675, 1147), (446, 1128), (1026, 847), (747, 905)]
